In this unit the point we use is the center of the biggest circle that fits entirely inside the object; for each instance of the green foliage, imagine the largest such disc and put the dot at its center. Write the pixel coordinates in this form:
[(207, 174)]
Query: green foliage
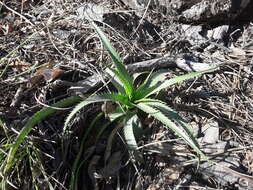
[(35, 119), (131, 98), (27, 159)]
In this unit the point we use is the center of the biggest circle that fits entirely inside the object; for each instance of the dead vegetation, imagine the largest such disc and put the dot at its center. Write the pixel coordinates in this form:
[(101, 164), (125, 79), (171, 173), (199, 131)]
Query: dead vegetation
[(49, 51)]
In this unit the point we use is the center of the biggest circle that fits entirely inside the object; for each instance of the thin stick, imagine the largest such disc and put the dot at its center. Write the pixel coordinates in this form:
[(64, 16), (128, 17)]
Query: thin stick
[(15, 12)]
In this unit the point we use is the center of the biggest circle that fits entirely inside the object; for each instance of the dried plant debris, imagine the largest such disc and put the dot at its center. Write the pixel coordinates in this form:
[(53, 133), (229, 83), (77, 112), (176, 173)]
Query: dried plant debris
[(49, 51)]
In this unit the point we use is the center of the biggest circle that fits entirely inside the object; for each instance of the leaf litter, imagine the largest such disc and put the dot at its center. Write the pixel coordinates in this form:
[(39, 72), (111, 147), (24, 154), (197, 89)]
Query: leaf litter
[(33, 33)]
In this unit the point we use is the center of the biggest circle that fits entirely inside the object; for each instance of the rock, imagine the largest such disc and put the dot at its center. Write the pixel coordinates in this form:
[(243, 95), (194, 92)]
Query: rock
[(188, 63), (214, 148), (92, 11), (193, 34), (200, 37), (226, 172), (218, 172), (137, 5), (200, 11), (217, 33), (211, 133), (206, 10)]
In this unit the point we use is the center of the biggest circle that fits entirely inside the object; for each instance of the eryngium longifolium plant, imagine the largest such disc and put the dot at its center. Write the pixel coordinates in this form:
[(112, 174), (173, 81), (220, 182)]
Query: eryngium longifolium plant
[(129, 98), (132, 98)]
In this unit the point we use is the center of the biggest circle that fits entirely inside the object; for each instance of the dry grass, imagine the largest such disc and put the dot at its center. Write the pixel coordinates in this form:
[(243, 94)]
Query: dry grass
[(50, 34)]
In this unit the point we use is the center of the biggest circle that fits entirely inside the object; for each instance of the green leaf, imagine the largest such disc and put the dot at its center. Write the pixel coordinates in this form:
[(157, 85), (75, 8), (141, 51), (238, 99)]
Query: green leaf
[(118, 98), (159, 115), (141, 78), (144, 86), (175, 116), (1, 123), (131, 123), (115, 81), (78, 107), (120, 71), (129, 134), (35, 119), (159, 82), (95, 99), (151, 82), (128, 88), (158, 77)]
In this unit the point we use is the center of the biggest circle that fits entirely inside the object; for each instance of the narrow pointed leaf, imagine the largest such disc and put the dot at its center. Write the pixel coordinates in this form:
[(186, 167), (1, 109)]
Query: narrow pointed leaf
[(160, 82), (123, 75), (91, 100), (117, 98), (128, 87), (142, 77), (175, 116), (142, 88), (129, 134), (156, 113), (152, 82), (35, 119), (128, 130), (115, 81)]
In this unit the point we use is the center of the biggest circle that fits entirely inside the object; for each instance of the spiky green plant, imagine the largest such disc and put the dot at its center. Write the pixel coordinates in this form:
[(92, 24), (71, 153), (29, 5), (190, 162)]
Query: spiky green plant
[(132, 98)]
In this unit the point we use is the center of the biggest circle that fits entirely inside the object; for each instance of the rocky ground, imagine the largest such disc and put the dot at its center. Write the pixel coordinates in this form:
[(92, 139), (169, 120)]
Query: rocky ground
[(49, 51)]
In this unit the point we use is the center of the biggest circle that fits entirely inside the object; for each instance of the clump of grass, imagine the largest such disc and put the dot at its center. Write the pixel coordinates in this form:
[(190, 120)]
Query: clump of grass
[(14, 157), (27, 168)]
